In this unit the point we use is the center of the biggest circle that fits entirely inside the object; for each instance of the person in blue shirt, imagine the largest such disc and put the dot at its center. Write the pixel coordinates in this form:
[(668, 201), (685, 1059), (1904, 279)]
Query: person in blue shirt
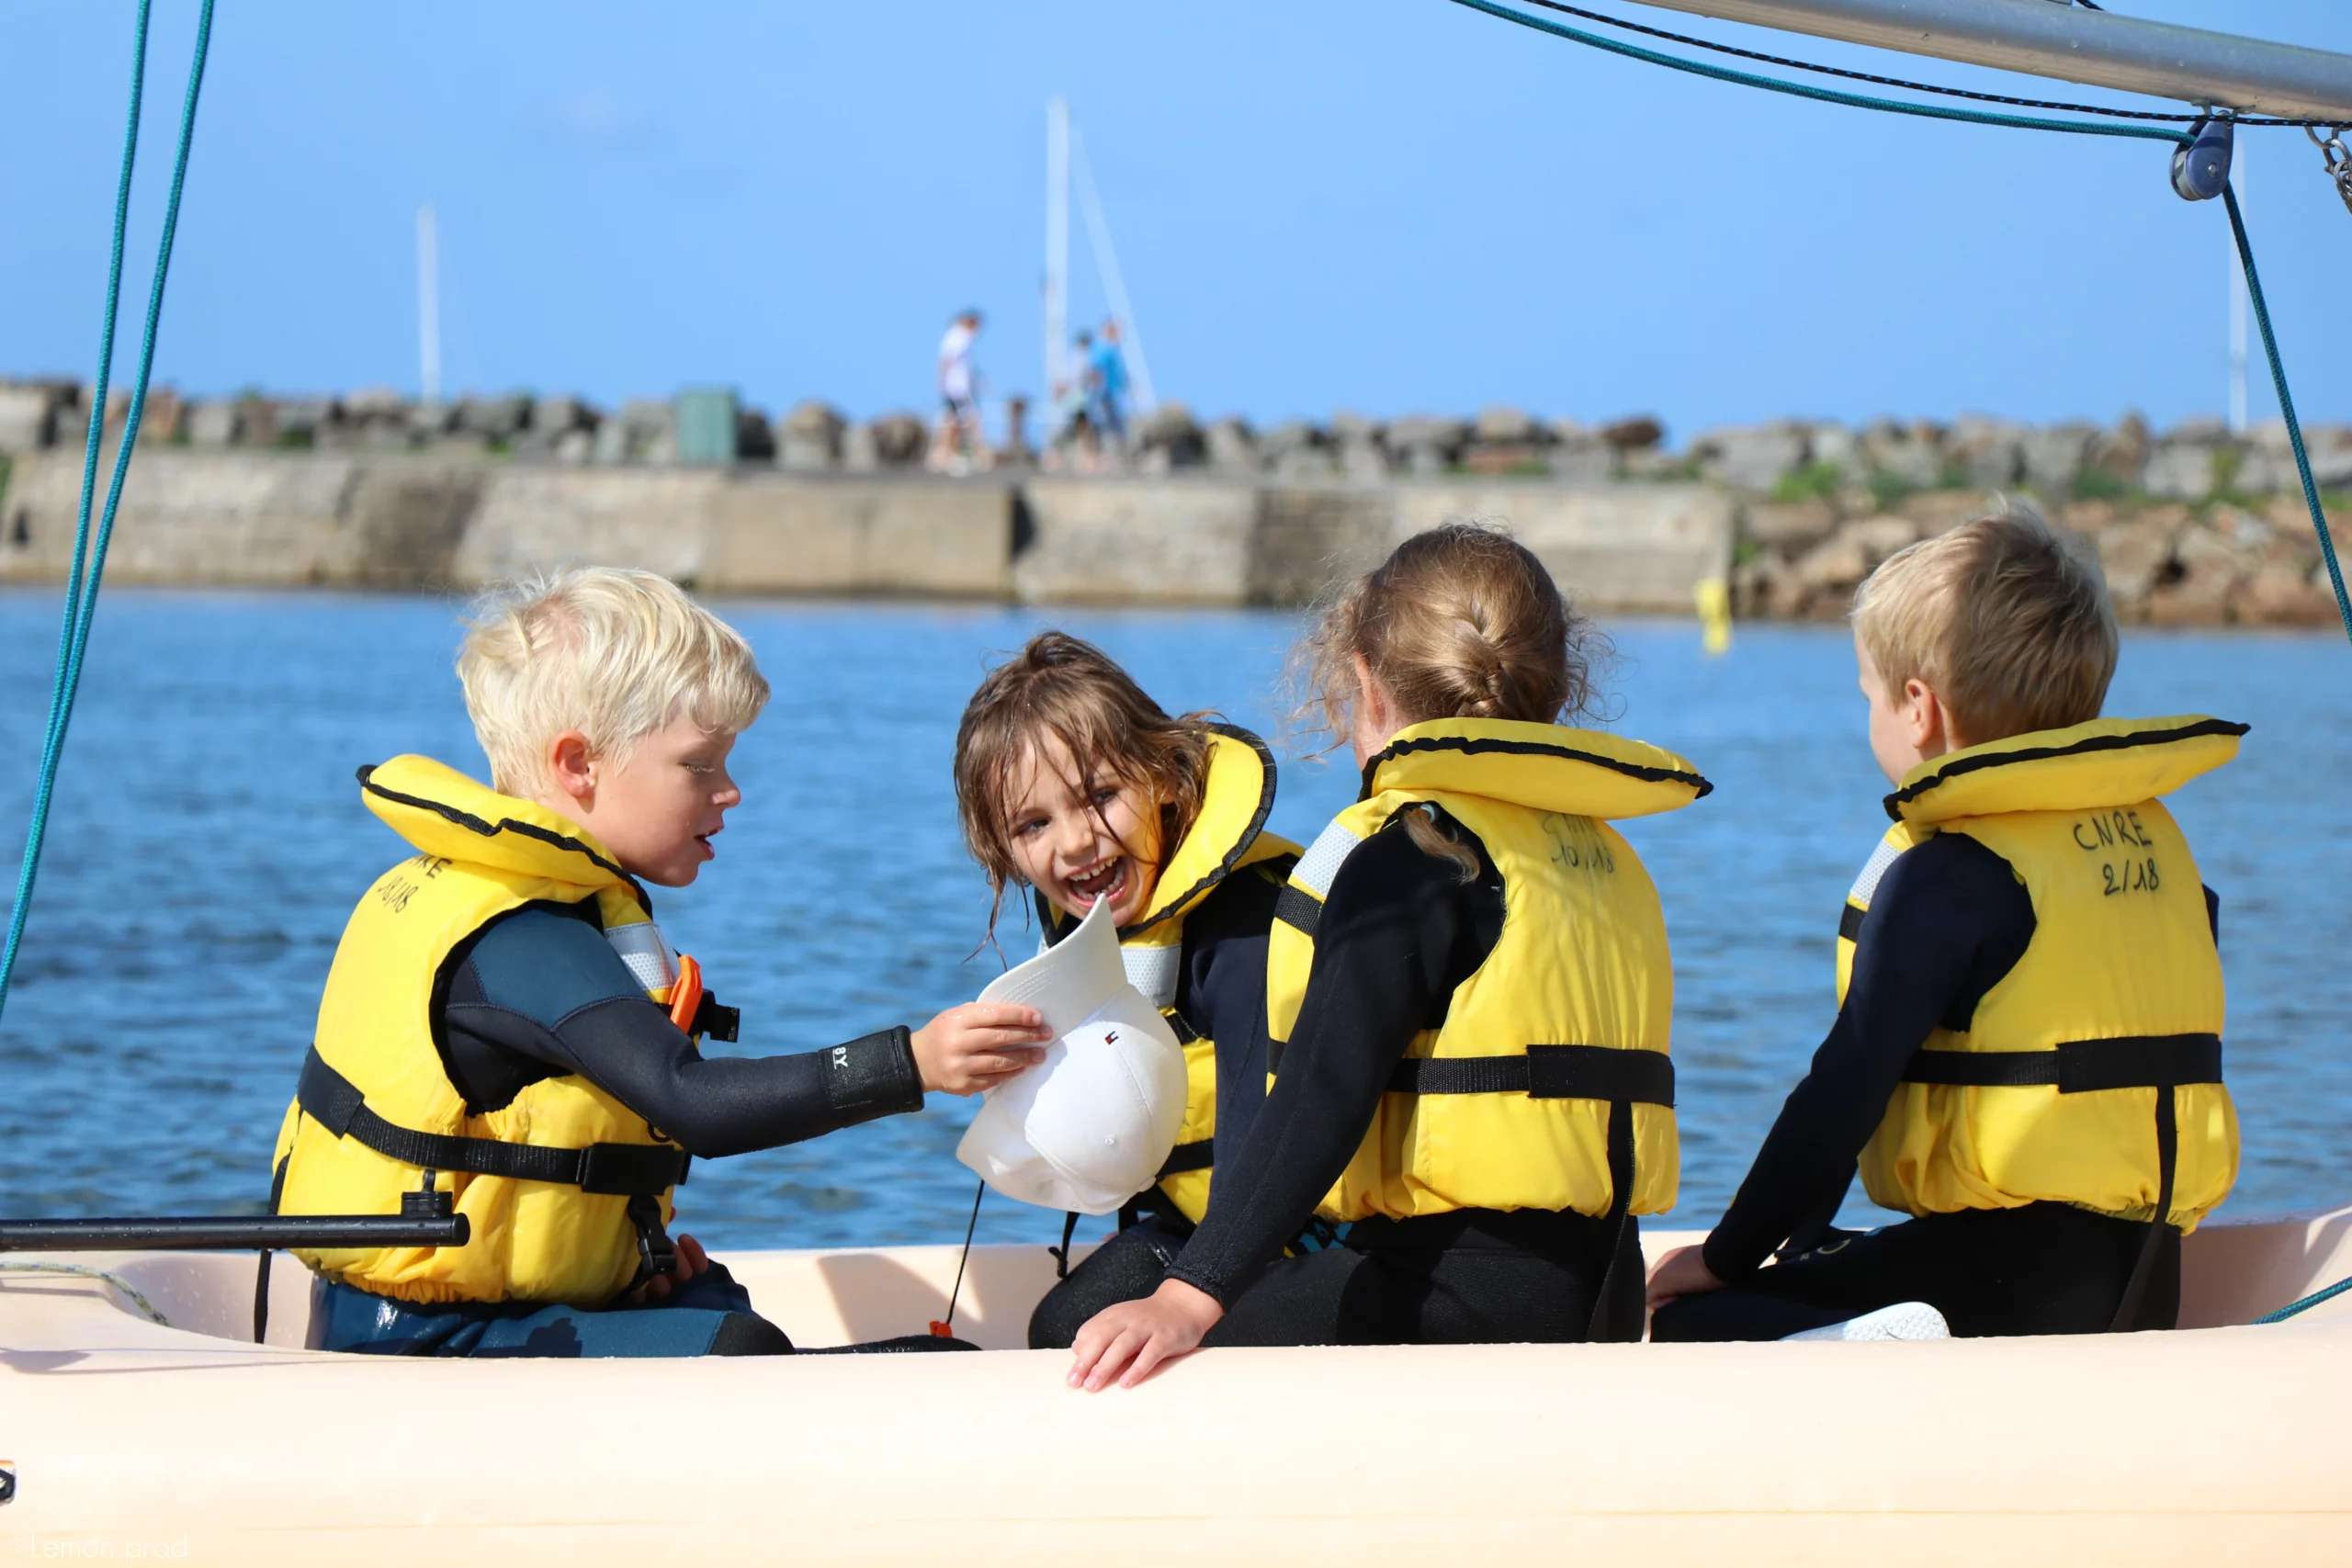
[(1106, 374)]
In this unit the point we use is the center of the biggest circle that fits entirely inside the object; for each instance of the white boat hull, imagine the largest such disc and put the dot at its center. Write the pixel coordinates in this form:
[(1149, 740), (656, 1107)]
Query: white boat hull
[(132, 1441)]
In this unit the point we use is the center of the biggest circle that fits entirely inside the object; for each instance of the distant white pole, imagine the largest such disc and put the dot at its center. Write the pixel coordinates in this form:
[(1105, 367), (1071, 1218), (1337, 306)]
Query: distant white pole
[(428, 304), (1056, 248), (2238, 304), (1106, 262)]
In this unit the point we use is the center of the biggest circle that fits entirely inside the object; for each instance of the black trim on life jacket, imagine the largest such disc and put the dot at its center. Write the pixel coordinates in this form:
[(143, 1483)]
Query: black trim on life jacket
[(1224, 868), (636, 1170), (2161, 1061), (1850, 921), (1474, 745), (1185, 1157), (2087, 745), (490, 829)]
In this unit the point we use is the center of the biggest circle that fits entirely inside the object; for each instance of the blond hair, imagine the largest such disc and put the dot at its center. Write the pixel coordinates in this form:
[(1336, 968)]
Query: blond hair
[(1065, 688), (2004, 622), (612, 653), (1460, 621)]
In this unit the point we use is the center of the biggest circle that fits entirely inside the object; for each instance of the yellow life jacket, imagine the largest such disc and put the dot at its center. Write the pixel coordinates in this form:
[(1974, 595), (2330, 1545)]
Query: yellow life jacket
[(565, 1188), (1227, 835), (2091, 1073), (1548, 1086)]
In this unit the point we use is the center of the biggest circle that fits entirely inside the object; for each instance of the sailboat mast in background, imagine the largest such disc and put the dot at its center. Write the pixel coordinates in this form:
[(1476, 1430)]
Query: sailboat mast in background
[(428, 305), (1056, 247)]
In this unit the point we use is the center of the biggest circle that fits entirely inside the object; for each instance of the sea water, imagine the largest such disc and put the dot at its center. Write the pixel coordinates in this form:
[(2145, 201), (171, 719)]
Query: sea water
[(208, 842)]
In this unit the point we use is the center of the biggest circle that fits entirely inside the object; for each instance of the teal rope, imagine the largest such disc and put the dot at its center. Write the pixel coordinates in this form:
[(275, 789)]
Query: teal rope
[(2291, 1308), (1820, 95), (1982, 117), (84, 1271), (89, 562), (2286, 410)]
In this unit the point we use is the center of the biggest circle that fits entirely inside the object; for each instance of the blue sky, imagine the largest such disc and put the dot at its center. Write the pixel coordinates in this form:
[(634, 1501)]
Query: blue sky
[(1386, 206)]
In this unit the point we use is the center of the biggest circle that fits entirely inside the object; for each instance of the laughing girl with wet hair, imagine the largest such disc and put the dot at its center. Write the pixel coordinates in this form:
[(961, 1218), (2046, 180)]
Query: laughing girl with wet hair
[(1073, 784)]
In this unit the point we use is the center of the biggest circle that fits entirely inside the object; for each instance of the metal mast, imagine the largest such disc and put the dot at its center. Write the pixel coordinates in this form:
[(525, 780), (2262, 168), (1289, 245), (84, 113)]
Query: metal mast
[(1056, 248), (428, 305), (2053, 37)]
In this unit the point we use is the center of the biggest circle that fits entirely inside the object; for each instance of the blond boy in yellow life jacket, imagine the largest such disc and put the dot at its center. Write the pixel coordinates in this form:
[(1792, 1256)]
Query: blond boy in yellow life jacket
[(2026, 1056), (506, 1027)]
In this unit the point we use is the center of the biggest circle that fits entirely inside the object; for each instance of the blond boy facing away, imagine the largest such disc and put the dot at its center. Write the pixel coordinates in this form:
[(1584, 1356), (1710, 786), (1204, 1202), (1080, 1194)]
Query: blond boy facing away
[(2027, 1056), (504, 1024)]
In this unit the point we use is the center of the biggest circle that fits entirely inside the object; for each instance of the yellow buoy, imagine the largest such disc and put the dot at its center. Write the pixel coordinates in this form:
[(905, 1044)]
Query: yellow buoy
[(1714, 599)]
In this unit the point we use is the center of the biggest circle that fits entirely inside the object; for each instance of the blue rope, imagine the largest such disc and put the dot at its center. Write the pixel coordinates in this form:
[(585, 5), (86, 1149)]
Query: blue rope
[(2026, 122), (89, 561), (2291, 1308), (2286, 410)]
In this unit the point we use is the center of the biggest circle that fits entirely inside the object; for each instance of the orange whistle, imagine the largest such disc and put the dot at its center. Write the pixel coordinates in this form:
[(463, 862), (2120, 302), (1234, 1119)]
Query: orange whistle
[(685, 995)]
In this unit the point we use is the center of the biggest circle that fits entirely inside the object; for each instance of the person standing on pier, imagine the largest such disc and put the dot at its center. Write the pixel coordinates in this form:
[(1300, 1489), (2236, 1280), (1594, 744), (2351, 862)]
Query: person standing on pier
[(1106, 380), (960, 446)]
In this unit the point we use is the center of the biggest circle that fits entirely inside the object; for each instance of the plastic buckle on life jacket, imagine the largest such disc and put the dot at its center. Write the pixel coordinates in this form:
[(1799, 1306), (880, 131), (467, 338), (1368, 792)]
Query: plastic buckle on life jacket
[(685, 993), (656, 1253), (428, 1202)]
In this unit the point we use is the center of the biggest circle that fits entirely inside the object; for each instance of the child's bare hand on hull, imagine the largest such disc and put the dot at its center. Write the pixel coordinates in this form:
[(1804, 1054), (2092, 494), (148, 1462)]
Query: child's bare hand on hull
[(978, 1045), (1681, 1272)]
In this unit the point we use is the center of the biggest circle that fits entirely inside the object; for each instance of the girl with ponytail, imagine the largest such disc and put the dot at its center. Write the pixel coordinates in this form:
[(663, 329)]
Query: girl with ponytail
[(1468, 995)]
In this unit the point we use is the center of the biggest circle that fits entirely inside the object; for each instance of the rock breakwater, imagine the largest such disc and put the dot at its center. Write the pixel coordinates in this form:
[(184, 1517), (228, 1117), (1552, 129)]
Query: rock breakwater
[(2194, 524)]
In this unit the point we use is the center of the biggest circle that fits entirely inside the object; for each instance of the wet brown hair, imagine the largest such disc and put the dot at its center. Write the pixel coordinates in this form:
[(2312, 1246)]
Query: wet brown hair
[(1460, 621), (1062, 687)]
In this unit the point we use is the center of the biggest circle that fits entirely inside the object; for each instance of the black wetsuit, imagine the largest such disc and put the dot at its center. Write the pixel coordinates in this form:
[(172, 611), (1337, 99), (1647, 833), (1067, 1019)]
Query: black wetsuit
[(1221, 994), (540, 993), (1947, 922), (1399, 932)]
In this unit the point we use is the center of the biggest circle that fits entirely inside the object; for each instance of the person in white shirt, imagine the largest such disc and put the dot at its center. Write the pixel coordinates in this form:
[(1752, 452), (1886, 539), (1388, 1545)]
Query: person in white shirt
[(960, 446)]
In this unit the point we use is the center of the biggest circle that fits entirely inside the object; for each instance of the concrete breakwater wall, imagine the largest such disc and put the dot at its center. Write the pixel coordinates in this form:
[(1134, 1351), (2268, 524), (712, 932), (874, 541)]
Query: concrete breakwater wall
[(399, 520)]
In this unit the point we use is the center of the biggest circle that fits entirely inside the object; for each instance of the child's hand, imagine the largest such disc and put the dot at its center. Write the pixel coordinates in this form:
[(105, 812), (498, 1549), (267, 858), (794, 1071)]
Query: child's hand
[(978, 1045), (691, 1261), (1128, 1340), (1682, 1272)]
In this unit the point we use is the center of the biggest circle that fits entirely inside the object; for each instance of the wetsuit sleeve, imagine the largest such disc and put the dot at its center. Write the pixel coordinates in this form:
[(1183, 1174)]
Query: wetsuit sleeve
[(1947, 921), (542, 994), (1398, 933)]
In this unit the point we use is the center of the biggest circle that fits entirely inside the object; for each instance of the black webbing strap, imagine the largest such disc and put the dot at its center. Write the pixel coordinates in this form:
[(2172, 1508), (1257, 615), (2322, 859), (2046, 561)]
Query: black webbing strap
[(1069, 1228), (2079, 1067), (1545, 1072), (2143, 1268), (636, 1170), (1605, 1324), (1850, 923), (1297, 909), (1197, 1155), (261, 1269), (2161, 1061), (715, 1022), (1623, 1077)]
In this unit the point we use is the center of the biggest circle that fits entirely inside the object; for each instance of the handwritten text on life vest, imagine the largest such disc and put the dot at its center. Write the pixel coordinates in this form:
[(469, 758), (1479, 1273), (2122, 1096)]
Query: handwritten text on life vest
[(2113, 831)]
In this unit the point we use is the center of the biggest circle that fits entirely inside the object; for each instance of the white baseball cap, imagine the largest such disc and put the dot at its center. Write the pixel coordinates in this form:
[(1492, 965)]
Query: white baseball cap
[(1090, 1126)]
